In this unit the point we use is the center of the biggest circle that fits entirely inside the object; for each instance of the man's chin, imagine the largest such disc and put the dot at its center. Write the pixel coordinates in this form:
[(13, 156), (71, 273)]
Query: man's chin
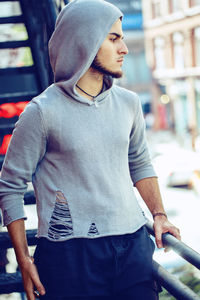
[(98, 67), (118, 74), (115, 74)]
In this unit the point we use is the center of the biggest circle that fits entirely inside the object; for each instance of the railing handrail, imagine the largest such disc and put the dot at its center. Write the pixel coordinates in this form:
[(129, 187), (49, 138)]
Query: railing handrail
[(179, 247), (172, 284)]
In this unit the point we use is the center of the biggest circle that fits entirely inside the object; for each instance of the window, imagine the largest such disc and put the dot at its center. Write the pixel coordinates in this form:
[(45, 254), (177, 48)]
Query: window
[(159, 46), (178, 43), (174, 5), (194, 2), (156, 9), (197, 46)]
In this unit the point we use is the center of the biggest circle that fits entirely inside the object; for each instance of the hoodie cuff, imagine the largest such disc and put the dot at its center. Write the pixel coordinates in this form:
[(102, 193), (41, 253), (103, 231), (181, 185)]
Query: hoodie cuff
[(145, 173), (12, 212)]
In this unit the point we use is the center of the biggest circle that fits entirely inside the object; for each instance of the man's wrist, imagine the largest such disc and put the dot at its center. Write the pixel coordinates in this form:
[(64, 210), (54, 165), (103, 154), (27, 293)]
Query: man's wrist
[(24, 260), (159, 214)]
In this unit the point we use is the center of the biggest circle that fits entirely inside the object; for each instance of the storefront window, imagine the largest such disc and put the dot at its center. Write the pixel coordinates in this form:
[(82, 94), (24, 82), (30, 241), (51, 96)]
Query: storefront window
[(178, 42), (181, 107), (159, 46), (197, 46)]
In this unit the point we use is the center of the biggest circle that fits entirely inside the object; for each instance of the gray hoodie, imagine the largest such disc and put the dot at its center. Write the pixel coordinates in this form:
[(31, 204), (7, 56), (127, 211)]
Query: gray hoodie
[(82, 156)]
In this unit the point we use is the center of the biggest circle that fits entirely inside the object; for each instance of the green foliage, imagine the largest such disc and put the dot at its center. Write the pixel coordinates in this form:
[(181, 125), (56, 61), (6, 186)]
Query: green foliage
[(165, 295), (192, 282), (189, 276)]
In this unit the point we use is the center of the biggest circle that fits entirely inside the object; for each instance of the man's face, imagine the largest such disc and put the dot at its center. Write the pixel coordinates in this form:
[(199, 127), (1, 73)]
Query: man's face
[(109, 58)]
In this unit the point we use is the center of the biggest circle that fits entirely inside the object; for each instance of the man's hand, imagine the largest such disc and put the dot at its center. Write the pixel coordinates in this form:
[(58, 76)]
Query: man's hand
[(28, 269), (31, 278), (150, 192), (162, 225)]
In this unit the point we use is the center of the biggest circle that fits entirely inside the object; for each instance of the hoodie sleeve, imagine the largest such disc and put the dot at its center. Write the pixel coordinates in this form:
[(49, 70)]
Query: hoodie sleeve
[(26, 149), (140, 165)]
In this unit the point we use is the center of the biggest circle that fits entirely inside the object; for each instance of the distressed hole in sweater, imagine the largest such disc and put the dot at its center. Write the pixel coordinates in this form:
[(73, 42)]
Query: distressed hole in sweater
[(93, 230), (60, 225)]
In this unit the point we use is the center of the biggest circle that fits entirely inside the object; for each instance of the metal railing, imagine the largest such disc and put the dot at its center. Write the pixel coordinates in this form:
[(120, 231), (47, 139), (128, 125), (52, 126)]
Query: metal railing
[(170, 282), (179, 247)]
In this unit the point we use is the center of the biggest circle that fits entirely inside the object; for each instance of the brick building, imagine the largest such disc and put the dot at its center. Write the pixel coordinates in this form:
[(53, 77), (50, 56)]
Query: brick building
[(172, 43)]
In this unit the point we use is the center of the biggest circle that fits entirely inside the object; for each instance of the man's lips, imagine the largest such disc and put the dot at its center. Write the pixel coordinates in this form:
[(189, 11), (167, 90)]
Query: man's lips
[(120, 59)]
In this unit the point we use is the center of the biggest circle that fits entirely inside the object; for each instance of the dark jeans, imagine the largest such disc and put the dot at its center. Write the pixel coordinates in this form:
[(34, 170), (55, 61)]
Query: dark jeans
[(113, 267), (142, 291)]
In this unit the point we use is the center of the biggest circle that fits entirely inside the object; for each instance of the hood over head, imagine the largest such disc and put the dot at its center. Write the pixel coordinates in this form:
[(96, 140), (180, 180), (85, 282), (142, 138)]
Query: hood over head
[(81, 28)]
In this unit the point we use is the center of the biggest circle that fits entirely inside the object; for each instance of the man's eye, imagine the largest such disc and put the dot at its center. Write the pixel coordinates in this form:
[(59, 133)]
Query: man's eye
[(113, 39)]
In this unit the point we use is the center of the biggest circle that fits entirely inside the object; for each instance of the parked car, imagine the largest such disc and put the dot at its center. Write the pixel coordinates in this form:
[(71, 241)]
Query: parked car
[(180, 178), (178, 166), (182, 171)]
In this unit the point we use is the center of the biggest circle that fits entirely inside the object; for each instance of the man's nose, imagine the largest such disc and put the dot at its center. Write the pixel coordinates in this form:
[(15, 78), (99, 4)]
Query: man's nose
[(123, 49)]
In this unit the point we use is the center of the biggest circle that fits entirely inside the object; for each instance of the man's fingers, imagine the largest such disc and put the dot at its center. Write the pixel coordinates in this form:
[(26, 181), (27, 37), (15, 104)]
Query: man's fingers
[(175, 232), (167, 249), (32, 281), (35, 288), (164, 227), (37, 283), (29, 291), (158, 237)]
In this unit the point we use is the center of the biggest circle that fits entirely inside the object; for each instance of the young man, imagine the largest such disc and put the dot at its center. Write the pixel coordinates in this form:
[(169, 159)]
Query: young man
[(82, 144)]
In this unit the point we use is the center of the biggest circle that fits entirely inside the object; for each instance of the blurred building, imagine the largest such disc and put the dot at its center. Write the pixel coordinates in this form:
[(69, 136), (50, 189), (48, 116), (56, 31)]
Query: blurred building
[(137, 76), (172, 42)]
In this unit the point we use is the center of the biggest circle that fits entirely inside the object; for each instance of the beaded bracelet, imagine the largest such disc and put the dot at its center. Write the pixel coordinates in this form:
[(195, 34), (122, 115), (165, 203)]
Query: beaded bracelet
[(159, 214)]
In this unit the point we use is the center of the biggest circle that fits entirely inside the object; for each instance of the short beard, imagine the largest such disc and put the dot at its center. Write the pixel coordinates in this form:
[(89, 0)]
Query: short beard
[(97, 66)]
